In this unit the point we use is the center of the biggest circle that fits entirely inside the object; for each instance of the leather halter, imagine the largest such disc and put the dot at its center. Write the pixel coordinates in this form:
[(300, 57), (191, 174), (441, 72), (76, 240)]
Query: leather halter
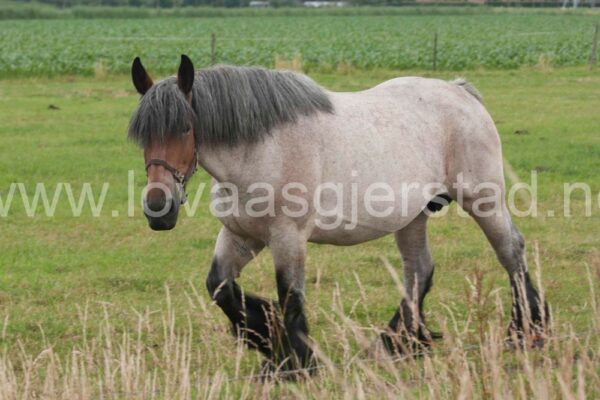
[(181, 179)]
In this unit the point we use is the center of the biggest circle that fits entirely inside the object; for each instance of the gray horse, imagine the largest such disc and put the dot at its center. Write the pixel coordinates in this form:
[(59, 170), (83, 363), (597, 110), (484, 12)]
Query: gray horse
[(294, 163)]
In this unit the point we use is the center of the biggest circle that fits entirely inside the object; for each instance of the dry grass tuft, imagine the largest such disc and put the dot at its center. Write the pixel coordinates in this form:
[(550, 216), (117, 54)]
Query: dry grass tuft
[(544, 63), (100, 69), (345, 68), (290, 64), (185, 354)]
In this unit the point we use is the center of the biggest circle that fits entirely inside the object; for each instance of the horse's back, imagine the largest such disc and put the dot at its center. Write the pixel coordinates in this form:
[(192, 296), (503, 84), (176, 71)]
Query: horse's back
[(457, 94), (422, 114), (407, 123), (405, 131)]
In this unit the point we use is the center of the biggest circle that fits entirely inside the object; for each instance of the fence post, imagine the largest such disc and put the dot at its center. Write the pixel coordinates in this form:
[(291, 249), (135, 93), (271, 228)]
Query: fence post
[(213, 49), (594, 45), (435, 44)]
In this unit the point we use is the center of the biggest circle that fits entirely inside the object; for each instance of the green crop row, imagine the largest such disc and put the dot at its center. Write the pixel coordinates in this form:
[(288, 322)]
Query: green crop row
[(76, 46)]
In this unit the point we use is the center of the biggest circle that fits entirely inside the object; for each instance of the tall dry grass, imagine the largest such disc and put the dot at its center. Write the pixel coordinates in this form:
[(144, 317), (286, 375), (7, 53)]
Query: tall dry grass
[(182, 354)]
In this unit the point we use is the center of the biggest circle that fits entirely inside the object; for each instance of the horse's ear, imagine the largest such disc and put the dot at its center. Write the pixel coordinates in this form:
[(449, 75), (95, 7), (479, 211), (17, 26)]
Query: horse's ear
[(185, 75), (141, 79)]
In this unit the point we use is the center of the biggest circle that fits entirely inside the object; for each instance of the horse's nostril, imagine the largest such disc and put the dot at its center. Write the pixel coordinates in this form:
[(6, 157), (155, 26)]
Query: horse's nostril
[(158, 207), (155, 204)]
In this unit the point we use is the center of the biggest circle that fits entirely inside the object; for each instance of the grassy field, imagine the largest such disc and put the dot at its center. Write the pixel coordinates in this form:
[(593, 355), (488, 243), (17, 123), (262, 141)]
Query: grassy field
[(104, 307), (328, 43)]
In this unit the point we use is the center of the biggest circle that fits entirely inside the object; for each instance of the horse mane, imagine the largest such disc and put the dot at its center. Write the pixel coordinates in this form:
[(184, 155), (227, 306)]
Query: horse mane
[(472, 90), (230, 105)]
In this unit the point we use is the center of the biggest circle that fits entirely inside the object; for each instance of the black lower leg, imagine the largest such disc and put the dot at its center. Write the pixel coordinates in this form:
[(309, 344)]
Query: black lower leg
[(293, 351), (253, 319), (528, 316), (405, 334)]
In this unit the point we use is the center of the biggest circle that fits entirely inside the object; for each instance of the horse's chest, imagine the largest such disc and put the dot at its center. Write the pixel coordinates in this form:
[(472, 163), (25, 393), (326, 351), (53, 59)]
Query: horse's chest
[(229, 206)]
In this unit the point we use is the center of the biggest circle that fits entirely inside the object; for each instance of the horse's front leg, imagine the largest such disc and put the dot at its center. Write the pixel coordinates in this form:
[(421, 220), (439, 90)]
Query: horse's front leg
[(289, 251), (253, 319)]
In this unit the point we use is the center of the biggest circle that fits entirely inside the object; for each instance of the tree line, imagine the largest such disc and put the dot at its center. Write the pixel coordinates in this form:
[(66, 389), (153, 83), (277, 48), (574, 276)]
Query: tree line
[(298, 3)]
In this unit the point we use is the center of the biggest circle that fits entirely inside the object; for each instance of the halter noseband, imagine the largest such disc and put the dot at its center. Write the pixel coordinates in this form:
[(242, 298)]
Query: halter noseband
[(181, 179)]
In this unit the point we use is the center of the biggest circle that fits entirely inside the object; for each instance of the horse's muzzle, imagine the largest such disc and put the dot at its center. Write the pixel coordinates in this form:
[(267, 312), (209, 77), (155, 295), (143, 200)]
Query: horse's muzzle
[(162, 213)]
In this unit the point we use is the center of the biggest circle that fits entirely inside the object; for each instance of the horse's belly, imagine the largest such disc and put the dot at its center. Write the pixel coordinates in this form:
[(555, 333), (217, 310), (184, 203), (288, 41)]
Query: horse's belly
[(362, 228), (343, 237)]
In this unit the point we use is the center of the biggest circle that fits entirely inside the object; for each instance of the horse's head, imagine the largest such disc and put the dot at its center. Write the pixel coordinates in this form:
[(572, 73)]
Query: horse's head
[(163, 125)]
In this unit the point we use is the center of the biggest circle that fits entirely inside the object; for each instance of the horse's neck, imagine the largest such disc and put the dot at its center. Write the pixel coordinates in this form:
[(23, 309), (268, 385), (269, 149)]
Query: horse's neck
[(223, 162), (243, 163), (214, 161)]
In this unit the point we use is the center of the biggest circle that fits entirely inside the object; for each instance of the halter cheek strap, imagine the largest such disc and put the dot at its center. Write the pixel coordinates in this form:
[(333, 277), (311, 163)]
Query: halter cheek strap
[(182, 179)]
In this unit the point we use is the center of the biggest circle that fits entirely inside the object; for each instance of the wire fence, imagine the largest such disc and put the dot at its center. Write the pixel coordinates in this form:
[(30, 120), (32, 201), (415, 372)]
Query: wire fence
[(212, 42)]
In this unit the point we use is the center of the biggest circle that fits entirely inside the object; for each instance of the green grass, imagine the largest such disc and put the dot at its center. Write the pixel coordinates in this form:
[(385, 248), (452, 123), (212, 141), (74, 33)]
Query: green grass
[(494, 40), (50, 268)]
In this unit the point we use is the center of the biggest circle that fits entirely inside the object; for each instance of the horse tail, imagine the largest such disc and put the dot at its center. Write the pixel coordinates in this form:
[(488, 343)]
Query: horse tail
[(462, 82)]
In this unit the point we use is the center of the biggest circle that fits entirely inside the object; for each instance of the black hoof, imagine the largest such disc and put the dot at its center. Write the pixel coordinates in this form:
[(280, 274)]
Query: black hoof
[(404, 345), (518, 339), (436, 335), (287, 370)]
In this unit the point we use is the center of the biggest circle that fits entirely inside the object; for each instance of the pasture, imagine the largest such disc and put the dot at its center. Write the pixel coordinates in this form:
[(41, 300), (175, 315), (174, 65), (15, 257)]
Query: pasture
[(102, 307)]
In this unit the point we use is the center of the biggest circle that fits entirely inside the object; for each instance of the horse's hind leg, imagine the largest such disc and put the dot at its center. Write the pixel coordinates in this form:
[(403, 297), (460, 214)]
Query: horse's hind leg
[(252, 318), (529, 316), (407, 331)]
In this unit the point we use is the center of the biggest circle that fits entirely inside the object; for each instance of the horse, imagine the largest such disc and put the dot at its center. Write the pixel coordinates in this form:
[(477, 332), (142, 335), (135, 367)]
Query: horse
[(278, 147)]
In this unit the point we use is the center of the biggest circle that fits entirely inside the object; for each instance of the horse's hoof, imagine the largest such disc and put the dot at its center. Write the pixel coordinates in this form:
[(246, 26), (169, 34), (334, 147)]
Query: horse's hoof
[(267, 371), (287, 371), (436, 335), (400, 347), (378, 350), (522, 341)]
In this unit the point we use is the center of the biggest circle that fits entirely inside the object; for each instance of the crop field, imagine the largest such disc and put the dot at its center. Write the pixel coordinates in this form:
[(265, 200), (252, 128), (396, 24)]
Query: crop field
[(95, 305), (323, 43)]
